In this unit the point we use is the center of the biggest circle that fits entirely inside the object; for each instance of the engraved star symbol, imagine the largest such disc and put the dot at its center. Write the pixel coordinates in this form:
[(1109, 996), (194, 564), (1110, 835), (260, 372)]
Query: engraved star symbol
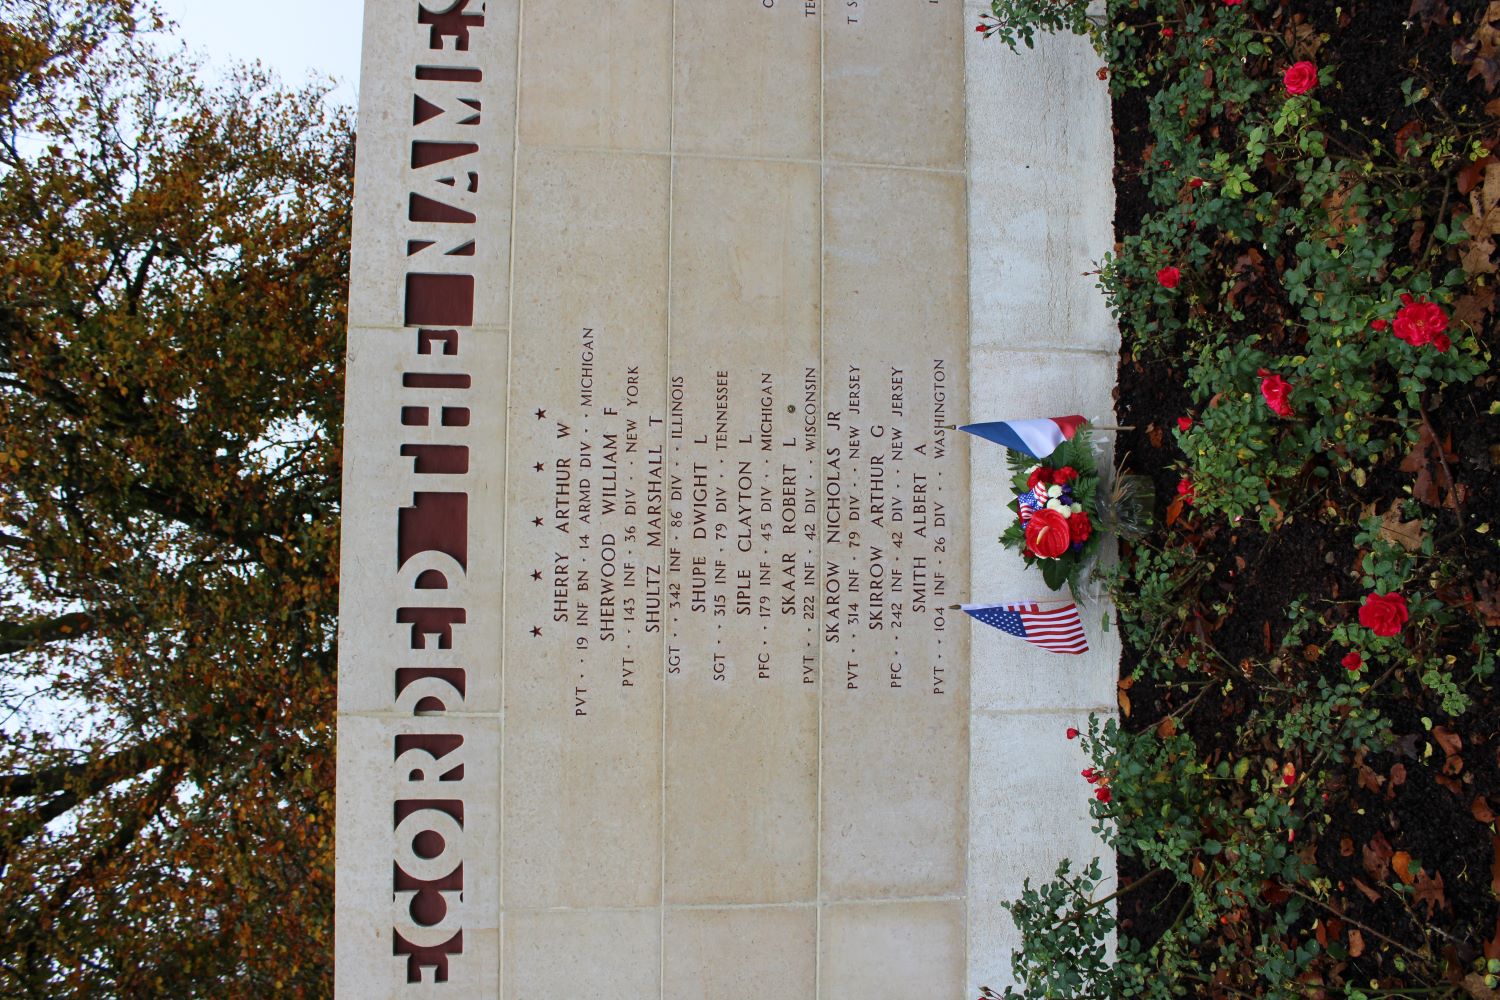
[(536, 630), (541, 414), (536, 574), (536, 521), (538, 466)]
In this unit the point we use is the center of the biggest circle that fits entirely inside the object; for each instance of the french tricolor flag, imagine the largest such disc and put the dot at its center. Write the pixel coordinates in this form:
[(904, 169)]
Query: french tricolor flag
[(1037, 438)]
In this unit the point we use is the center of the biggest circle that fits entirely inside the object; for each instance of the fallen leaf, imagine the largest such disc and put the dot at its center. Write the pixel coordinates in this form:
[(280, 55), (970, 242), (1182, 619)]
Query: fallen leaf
[(1446, 738), (1367, 779), (1427, 459), (1167, 728), (1487, 599), (1477, 256), (1346, 847), (1401, 863), (1377, 857), (1122, 697), (1356, 943), (1406, 133), (1481, 811), (1495, 865), (1274, 892), (1489, 194), (1398, 774), (1407, 534), (1428, 889), (1305, 39), (1155, 436), (1485, 66), (1471, 309), (1340, 216), (1369, 893), (1471, 174), (1429, 12), (1473, 985), (1418, 231), (1174, 510)]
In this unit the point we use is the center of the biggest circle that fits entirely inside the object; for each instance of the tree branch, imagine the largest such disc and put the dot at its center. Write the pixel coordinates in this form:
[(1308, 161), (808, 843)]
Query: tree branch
[(20, 636)]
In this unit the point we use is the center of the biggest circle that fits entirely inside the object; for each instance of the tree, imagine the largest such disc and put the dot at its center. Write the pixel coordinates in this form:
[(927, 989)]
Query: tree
[(173, 272)]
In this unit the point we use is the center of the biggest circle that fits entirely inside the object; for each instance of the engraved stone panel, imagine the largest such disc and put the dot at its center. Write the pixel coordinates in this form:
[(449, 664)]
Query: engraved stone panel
[(653, 513)]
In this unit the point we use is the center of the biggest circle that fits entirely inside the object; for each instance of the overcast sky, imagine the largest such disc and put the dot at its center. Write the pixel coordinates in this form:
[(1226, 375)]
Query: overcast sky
[(297, 38)]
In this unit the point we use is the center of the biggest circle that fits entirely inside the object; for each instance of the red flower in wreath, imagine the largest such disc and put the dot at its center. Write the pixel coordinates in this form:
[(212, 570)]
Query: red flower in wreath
[(1080, 527), (1047, 534), (1064, 475), (1041, 474)]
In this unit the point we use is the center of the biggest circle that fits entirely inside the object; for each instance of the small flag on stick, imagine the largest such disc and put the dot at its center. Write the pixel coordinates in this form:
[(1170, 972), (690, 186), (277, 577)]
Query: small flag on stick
[(1058, 630), (1037, 438)]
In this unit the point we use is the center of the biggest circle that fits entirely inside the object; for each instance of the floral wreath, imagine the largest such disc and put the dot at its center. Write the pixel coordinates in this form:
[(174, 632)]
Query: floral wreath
[(1056, 512)]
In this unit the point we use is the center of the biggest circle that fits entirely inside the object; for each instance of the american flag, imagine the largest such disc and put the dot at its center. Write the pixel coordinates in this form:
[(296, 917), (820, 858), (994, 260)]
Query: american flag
[(1057, 629), (1027, 504)]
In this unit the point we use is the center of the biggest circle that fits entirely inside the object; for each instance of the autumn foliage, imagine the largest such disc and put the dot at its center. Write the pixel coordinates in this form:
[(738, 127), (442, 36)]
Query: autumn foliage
[(173, 261)]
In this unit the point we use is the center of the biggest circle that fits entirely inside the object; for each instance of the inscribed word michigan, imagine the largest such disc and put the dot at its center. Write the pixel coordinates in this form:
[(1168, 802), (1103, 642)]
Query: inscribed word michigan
[(652, 509)]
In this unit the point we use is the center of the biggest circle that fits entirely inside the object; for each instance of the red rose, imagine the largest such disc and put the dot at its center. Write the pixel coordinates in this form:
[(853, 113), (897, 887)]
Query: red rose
[(1103, 794), (1184, 424), (978, 27), (1383, 614), (1168, 277), (1231, 3), (1352, 661), (1378, 324), (1441, 342), (1167, 32), (1047, 534), (1419, 321), (1196, 182), (1300, 77), (1064, 475), (1072, 733), (1080, 527), (1276, 389), (1185, 490), (1041, 474), (1090, 775)]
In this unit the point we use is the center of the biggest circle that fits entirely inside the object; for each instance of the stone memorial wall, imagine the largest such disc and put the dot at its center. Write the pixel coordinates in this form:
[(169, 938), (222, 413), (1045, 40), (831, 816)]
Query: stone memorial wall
[(660, 314)]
